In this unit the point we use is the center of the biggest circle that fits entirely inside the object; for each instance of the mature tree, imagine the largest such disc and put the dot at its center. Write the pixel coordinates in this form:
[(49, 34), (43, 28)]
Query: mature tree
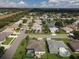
[(72, 57), (24, 21), (59, 24), (45, 27), (69, 21), (1, 51), (76, 33), (27, 38), (30, 24)]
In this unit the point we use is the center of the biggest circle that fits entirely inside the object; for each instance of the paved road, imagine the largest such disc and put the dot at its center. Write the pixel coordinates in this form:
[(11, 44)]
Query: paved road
[(10, 52), (48, 35)]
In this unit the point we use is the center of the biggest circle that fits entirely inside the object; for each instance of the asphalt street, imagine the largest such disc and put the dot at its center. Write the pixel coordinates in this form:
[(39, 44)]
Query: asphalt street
[(10, 52)]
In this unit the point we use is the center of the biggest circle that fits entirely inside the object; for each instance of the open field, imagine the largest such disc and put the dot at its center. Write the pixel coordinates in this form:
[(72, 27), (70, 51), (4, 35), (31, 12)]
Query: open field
[(8, 15)]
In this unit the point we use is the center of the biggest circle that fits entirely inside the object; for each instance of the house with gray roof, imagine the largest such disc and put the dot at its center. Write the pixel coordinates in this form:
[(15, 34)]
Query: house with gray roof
[(54, 46)]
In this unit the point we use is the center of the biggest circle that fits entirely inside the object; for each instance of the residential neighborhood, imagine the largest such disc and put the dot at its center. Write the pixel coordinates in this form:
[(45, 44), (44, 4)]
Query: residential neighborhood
[(36, 35)]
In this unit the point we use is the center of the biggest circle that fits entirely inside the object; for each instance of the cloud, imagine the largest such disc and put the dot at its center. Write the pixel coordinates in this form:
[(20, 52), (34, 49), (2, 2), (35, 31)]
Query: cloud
[(43, 4), (21, 3), (10, 3), (51, 1), (63, 3)]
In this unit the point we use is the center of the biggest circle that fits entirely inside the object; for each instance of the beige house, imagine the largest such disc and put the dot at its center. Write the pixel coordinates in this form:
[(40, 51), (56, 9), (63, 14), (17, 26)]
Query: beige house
[(67, 29), (38, 46), (37, 26), (16, 24)]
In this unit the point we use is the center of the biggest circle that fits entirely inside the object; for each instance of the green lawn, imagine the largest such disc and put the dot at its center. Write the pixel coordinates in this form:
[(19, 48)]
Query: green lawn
[(18, 29), (61, 31), (20, 52), (52, 56), (7, 41), (66, 40)]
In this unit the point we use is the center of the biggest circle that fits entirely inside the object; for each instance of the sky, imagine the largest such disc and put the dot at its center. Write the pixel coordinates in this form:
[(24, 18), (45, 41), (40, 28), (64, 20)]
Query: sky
[(40, 3)]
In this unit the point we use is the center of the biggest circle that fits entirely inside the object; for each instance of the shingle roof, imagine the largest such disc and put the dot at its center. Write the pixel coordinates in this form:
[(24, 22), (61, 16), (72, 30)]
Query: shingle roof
[(3, 35), (37, 45), (75, 45), (55, 45)]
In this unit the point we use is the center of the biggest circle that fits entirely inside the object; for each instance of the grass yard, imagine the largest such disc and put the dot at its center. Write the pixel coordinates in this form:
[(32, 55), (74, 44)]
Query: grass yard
[(18, 29), (66, 40), (7, 41), (61, 31), (52, 56)]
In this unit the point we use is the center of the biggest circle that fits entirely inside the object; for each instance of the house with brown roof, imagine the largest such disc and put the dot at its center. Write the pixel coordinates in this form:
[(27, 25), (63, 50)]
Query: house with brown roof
[(75, 46), (38, 46)]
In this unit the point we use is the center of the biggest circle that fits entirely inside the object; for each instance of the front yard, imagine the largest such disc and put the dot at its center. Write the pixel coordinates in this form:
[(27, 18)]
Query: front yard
[(61, 31), (17, 30), (53, 56), (7, 41), (66, 40), (20, 52)]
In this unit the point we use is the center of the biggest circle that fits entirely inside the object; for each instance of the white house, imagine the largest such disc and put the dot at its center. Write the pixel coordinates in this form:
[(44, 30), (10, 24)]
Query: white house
[(16, 24), (24, 18), (53, 29), (37, 26)]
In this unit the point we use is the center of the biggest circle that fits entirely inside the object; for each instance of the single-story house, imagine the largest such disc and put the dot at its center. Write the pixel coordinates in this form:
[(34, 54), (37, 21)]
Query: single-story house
[(76, 22), (75, 45), (3, 35), (38, 46), (38, 21), (37, 27), (8, 30), (53, 29), (54, 47), (24, 18), (67, 29), (73, 26), (66, 18), (1, 14), (16, 24)]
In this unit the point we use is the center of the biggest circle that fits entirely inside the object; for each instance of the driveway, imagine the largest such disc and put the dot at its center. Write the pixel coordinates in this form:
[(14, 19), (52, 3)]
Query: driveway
[(10, 52)]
